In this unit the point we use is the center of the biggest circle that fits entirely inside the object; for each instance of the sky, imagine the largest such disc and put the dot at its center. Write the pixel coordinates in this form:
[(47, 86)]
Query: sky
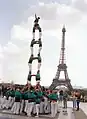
[(16, 22)]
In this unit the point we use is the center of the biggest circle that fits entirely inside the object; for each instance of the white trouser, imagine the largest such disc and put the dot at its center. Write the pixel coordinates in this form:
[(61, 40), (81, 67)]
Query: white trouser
[(37, 109), (12, 102), (30, 108), (8, 102), (41, 107), (32, 50), (40, 34), (40, 48), (16, 107), (30, 66), (34, 35), (49, 107), (21, 106), (1, 102), (58, 106), (4, 102), (26, 105), (39, 65), (45, 105), (54, 109), (34, 110)]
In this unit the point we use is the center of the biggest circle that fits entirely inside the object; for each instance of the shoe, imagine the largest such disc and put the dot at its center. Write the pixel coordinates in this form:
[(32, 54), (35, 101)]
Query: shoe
[(77, 110), (29, 115), (37, 116)]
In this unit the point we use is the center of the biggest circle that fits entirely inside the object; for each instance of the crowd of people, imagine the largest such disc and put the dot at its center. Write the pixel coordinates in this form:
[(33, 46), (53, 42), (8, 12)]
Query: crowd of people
[(35, 100), (29, 100)]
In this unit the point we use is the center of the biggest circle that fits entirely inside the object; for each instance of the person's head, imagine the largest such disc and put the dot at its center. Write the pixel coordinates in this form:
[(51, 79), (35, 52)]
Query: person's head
[(38, 17), (36, 89), (64, 91), (31, 88), (76, 91), (53, 91), (17, 89)]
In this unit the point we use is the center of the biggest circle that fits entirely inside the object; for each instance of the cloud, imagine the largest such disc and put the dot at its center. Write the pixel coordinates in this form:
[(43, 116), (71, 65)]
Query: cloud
[(1, 53), (22, 31), (10, 48), (53, 16), (81, 5), (1, 61)]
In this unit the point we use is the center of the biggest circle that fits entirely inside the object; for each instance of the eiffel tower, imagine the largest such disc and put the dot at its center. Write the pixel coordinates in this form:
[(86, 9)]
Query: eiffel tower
[(62, 67)]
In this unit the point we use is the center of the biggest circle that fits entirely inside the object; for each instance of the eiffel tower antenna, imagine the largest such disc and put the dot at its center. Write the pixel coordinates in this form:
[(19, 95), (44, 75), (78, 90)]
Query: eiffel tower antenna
[(62, 54), (62, 67)]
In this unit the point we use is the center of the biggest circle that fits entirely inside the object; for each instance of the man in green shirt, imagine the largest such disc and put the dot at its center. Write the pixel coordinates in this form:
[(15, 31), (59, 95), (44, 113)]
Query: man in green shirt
[(54, 106), (16, 107), (10, 94), (31, 101)]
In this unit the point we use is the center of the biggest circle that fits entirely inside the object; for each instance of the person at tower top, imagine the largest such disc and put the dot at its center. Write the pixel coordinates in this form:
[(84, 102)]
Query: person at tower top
[(36, 19), (36, 26)]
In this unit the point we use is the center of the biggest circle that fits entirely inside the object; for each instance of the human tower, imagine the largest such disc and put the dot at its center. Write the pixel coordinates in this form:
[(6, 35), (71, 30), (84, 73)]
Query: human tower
[(38, 57)]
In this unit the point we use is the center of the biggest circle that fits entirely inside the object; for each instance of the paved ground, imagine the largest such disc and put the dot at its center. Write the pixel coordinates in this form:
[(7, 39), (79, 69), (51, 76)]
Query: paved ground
[(76, 115), (61, 115), (83, 106), (7, 116), (69, 114), (80, 115)]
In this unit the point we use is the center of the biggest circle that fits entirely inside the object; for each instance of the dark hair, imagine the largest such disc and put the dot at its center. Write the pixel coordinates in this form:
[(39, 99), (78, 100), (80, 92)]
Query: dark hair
[(31, 88)]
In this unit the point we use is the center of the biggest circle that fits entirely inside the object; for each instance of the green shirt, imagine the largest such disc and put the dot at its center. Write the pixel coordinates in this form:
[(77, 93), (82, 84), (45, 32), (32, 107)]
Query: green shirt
[(18, 95), (39, 58), (38, 76), (10, 93), (53, 96), (26, 95)]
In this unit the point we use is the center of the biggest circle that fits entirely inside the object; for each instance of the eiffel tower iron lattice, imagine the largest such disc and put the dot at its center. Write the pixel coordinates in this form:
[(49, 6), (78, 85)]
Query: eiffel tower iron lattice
[(38, 57), (62, 67)]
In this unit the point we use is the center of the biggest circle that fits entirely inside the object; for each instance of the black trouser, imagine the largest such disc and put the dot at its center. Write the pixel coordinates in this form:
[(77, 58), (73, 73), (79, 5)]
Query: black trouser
[(78, 101)]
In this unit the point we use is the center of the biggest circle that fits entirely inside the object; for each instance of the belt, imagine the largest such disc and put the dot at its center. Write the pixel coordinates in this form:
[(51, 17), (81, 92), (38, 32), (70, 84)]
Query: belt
[(53, 101), (31, 100)]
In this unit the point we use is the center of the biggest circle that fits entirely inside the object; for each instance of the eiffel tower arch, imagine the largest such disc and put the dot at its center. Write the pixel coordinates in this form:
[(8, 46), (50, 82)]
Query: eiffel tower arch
[(62, 67)]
